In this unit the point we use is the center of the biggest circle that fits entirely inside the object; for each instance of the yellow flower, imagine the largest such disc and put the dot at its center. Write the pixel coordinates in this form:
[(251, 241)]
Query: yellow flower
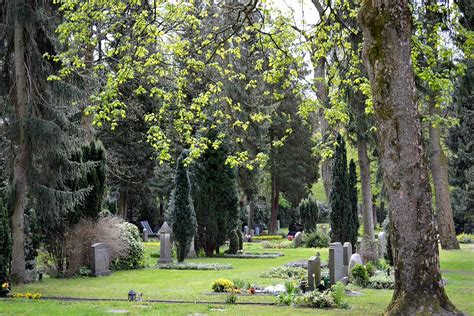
[(5, 285)]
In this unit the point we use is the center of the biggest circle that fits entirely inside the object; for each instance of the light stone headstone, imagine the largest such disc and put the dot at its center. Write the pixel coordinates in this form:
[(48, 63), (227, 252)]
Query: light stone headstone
[(100, 259), (382, 244), (246, 230), (192, 251), (145, 235), (252, 233), (336, 272), (278, 226), (355, 259), (298, 240), (257, 231), (346, 256), (314, 272), (165, 244), (324, 230)]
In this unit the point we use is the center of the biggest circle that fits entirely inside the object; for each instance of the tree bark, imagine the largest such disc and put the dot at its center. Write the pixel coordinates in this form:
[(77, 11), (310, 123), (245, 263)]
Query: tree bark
[(387, 33), (251, 202), (275, 201), (21, 153), (439, 171), (364, 165), (123, 204)]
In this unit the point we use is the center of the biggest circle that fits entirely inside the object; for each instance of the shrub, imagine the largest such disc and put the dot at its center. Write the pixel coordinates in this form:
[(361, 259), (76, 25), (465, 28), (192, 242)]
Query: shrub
[(280, 245), (268, 237), (222, 285), (285, 273), (359, 275), (233, 242), (195, 266), (381, 281), (79, 239), (134, 258), (370, 269), (254, 255), (289, 297), (317, 299), (309, 213), (316, 239), (241, 239), (338, 295), (465, 238), (231, 297), (241, 284)]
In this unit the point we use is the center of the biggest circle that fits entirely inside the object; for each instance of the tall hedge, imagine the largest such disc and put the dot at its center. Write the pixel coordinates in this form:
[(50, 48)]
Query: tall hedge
[(182, 213)]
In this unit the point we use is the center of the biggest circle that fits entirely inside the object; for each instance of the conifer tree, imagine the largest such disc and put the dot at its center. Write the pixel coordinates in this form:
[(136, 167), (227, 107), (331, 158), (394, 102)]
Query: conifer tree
[(183, 217), (309, 213), (5, 243), (353, 219)]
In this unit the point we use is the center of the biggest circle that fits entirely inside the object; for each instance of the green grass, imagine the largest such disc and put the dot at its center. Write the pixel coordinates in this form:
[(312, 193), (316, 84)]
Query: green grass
[(457, 267)]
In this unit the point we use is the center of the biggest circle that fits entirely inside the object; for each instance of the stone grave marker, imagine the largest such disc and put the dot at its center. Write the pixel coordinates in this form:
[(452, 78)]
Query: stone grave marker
[(324, 230), (382, 244), (355, 259), (257, 231), (100, 259), (192, 251), (252, 233), (314, 272), (298, 240), (346, 256), (145, 235), (278, 226), (165, 244), (336, 272), (246, 230)]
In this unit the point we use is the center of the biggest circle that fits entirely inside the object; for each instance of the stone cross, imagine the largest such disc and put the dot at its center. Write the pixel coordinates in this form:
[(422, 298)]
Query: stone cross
[(314, 272), (382, 244), (355, 259), (192, 251), (335, 262), (100, 259), (346, 256), (145, 235), (165, 244), (297, 241)]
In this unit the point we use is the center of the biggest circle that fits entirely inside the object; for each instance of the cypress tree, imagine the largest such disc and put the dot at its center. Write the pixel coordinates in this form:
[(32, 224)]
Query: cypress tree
[(182, 210), (233, 242), (309, 213), (5, 243), (353, 219), (339, 200)]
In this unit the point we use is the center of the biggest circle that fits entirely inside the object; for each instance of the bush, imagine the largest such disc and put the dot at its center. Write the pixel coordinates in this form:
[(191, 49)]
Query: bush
[(79, 239), (465, 238), (381, 281), (359, 275), (241, 284), (268, 237), (309, 213), (195, 266), (280, 245), (231, 298), (317, 299), (316, 239), (222, 285), (241, 239), (370, 269), (254, 255), (135, 256), (285, 273), (233, 242)]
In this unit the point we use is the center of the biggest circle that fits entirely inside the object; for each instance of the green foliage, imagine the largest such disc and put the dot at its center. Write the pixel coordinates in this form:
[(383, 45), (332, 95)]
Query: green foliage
[(280, 245), (215, 199), (267, 237), (344, 222), (359, 275), (338, 295), (135, 253), (381, 281), (241, 239), (234, 242), (370, 269), (317, 299), (5, 243), (183, 218), (294, 273), (309, 213), (222, 285), (195, 266), (465, 238), (290, 295), (316, 239), (231, 297)]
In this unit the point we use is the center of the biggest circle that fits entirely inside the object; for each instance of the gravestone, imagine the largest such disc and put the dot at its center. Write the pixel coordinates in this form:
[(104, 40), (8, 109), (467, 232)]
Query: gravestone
[(355, 259), (298, 240), (252, 233), (145, 235), (100, 259), (278, 226), (336, 272), (257, 231), (165, 244), (346, 256), (382, 244), (246, 230), (192, 251), (324, 230), (314, 272)]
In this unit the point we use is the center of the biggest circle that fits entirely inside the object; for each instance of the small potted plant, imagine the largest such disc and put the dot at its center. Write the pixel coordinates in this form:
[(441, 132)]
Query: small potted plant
[(5, 289)]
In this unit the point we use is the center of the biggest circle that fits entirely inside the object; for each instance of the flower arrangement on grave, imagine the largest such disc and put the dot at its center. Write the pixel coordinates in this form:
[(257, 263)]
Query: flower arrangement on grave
[(28, 295), (5, 289)]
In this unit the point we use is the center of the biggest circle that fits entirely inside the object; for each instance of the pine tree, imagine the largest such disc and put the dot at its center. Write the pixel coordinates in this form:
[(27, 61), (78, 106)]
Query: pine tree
[(339, 199), (353, 218), (183, 217)]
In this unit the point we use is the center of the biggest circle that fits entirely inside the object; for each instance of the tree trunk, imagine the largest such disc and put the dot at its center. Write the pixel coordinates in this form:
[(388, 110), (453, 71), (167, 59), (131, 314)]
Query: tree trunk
[(439, 171), (21, 153), (123, 204), (275, 200), (251, 202), (387, 33), (364, 165)]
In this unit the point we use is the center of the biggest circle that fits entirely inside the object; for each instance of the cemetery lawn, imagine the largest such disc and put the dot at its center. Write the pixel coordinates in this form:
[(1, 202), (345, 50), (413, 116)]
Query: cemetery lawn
[(457, 267)]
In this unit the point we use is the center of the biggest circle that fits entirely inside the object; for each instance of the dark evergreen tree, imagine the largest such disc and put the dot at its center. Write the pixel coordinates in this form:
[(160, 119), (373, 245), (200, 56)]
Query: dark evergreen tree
[(5, 244), (215, 199), (353, 218), (233, 242), (309, 213), (339, 199), (182, 213), (241, 239)]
